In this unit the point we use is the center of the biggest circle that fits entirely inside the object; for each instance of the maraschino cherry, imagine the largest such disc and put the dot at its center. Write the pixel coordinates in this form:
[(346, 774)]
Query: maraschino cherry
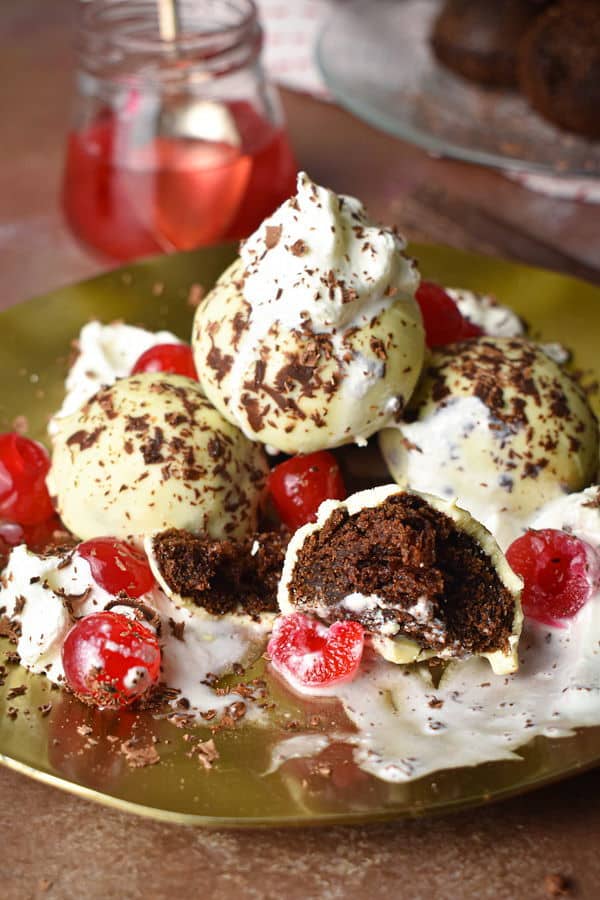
[(299, 485), (110, 659), (174, 359), (310, 655), (24, 464), (442, 319), (559, 571), (117, 566)]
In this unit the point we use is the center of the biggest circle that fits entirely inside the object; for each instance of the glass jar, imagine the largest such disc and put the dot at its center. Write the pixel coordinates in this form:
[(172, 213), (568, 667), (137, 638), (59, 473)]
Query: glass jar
[(175, 144)]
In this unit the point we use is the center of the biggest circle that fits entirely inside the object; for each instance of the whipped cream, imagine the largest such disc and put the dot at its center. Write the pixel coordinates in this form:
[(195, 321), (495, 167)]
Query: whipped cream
[(497, 320), (435, 467), (577, 514), (315, 233), (105, 353), (486, 312)]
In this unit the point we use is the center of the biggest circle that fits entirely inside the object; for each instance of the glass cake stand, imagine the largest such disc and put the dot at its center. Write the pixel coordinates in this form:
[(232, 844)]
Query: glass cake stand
[(376, 60)]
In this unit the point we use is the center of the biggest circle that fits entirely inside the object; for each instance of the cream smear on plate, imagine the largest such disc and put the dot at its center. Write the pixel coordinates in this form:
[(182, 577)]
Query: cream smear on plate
[(46, 594)]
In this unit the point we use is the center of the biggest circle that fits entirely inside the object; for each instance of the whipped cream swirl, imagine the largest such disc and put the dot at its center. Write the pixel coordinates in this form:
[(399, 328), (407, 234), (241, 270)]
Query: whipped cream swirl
[(334, 266)]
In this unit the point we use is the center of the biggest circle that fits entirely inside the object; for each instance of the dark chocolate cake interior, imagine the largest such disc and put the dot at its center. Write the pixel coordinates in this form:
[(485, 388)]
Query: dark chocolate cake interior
[(435, 583), (222, 576)]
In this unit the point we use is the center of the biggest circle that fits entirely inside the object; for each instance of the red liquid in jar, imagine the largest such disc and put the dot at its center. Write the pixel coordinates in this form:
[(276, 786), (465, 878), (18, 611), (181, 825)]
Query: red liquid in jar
[(173, 193)]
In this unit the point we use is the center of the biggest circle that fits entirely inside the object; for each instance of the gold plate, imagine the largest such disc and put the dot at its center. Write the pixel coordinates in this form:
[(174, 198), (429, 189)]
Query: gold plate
[(79, 749)]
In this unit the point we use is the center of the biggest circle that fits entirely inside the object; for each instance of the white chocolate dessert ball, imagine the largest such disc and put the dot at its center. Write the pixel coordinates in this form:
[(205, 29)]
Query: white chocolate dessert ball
[(313, 338), (496, 424), (150, 453), (422, 576)]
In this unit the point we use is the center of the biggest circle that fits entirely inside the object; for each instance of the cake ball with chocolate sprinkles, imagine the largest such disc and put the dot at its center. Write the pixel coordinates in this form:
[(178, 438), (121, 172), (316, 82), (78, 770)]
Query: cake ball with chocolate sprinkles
[(149, 453), (498, 425), (312, 338), (421, 575)]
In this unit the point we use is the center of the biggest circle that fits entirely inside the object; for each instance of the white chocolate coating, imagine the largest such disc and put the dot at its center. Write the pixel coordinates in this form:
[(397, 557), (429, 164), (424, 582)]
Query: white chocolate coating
[(499, 426), (150, 453)]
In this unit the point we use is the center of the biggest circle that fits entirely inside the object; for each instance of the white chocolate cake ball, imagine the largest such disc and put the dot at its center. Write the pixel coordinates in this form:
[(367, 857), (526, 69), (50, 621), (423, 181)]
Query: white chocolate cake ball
[(422, 576), (150, 453), (496, 424), (312, 339)]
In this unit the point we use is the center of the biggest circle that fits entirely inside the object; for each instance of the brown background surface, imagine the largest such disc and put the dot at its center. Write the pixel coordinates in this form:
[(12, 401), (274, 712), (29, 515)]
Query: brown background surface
[(58, 846)]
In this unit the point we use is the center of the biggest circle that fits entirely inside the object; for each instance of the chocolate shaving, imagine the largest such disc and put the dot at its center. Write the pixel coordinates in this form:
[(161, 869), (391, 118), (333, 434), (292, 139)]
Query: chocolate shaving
[(139, 756), (299, 248), (206, 752), (10, 629), (16, 692), (84, 439), (177, 629), (272, 236), (143, 611)]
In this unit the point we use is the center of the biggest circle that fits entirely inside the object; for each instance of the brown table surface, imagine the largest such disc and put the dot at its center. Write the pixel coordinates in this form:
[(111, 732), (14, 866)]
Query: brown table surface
[(58, 846)]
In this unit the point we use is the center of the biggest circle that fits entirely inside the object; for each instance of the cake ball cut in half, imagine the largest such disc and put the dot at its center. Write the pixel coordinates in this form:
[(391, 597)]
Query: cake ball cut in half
[(312, 338), (149, 453), (421, 575), (220, 577), (500, 427)]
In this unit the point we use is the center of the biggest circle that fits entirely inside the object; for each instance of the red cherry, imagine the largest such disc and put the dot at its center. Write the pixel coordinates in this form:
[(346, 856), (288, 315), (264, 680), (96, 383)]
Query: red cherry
[(110, 659), (308, 654), (299, 485), (36, 537), (117, 566), (470, 329), (24, 465), (442, 319), (559, 571), (176, 359)]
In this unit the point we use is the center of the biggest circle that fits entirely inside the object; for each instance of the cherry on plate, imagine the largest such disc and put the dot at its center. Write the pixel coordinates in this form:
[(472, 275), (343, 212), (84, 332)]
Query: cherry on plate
[(174, 359), (110, 659), (24, 464), (36, 537), (310, 655), (442, 319), (559, 572), (299, 485), (117, 566)]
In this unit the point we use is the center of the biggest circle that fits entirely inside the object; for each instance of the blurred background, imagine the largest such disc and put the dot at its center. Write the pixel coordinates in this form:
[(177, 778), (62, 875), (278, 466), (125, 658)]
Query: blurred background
[(120, 141)]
